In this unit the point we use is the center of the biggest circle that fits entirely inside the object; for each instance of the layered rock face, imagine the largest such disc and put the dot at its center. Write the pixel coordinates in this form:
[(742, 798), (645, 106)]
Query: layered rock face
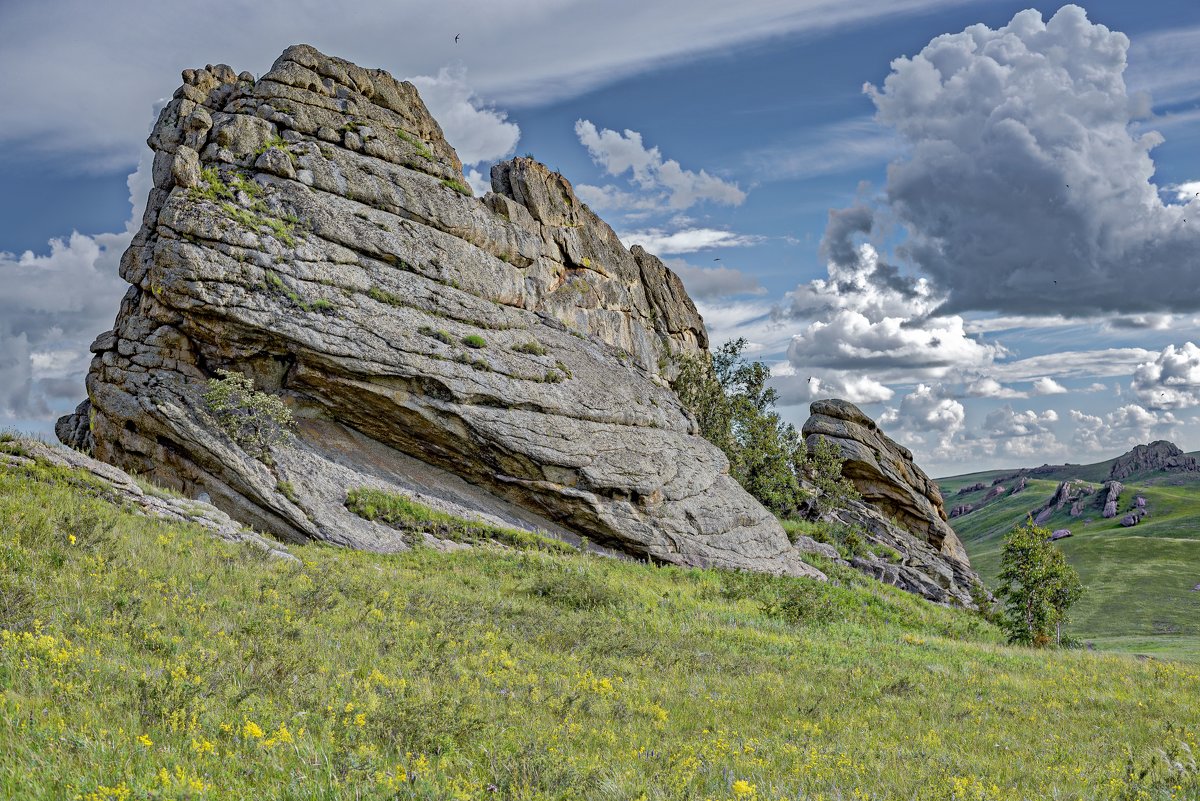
[(503, 357), (901, 506), (1158, 455)]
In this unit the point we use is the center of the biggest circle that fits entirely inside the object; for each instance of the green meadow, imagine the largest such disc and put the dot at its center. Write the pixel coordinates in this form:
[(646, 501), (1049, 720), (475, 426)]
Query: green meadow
[(146, 660), (1139, 580)]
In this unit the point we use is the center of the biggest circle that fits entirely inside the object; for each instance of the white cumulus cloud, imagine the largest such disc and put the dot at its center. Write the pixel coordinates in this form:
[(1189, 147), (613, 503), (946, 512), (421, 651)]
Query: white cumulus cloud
[(1026, 189), (687, 240), (678, 188), (476, 133), (1047, 386), (1171, 380)]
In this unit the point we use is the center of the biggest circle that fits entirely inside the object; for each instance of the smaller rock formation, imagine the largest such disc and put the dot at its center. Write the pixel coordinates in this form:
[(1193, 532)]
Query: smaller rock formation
[(1160, 455), (1108, 498), (1131, 519), (1060, 534), (960, 510), (1139, 502), (884, 474), (901, 510), (1196, 588), (971, 488), (994, 492), (1070, 492), (1019, 485)]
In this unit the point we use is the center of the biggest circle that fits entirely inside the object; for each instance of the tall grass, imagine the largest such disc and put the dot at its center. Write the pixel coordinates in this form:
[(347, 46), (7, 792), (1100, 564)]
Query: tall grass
[(145, 660)]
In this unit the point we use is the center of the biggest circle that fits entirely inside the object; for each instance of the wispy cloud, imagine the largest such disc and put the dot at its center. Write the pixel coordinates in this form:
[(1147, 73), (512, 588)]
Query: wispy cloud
[(687, 240), (850, 145), (579, 46)]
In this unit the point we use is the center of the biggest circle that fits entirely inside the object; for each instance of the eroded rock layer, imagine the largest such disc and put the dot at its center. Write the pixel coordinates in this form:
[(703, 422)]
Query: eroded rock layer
[(901, 506), (505, 357)]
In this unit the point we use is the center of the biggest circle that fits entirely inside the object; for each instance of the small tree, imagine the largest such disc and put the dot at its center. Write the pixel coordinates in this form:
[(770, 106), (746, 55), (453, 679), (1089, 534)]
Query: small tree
[(822, 465), (735, 410), (254, 420), (1037, 585)]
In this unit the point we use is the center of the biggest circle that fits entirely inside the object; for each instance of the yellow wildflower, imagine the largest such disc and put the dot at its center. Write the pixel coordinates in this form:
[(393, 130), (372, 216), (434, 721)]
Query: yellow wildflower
[(744, 789)]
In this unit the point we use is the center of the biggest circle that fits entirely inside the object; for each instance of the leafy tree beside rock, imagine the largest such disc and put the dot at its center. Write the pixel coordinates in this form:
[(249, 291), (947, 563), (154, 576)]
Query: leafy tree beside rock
[(254, 420), (1037, 586), (735, 410)]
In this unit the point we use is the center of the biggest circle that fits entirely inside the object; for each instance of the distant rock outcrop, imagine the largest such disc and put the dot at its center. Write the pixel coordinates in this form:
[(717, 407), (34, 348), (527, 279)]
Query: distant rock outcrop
[(1068, 493), (1108, 498), (1060, 534), (1160, 455), (901, 506), (508, 356)]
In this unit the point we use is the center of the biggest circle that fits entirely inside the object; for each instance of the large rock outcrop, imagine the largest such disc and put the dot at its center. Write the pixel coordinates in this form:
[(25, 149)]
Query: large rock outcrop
[(1158, 456), (901, 506), (505, 356)]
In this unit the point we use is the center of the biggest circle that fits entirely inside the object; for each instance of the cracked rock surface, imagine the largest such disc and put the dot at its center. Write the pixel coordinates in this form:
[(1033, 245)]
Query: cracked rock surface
[(503, 358)]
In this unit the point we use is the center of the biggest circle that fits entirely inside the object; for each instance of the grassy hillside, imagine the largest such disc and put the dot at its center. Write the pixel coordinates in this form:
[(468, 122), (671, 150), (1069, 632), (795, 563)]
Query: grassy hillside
[(1096, 472), (143, 660), (1139, 580)]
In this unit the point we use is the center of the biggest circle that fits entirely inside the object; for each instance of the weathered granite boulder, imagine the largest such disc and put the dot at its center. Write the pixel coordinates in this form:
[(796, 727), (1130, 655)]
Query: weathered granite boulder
[(1070, 492), (1060, 534), (1131, 519), (1139, 502), (506, 357), (961, 509), (1019, 485), (1160, 455), (902, 507)]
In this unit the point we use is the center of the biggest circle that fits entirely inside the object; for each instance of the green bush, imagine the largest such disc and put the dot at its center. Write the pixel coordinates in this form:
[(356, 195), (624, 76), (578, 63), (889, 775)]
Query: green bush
[(440, 336), (735, 410), (457, 186), (1037, 585), (474, 341), (256, 421), (532, 348)]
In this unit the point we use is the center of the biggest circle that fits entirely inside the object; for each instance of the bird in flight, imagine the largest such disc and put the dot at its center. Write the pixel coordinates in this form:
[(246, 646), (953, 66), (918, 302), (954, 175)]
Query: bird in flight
[(456, 37), (718, 258)]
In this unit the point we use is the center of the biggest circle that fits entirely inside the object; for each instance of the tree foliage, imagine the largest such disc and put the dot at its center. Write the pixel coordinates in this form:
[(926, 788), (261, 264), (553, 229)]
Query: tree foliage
[(735, 410), (255, 420), (1037, 586)]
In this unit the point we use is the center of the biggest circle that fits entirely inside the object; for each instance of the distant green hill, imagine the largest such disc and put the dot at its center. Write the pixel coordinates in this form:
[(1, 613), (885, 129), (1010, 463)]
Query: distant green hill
[(1139, 579)]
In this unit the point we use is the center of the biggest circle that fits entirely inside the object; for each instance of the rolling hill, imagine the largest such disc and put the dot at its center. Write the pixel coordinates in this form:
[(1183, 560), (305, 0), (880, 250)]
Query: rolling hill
[(1140, 579)]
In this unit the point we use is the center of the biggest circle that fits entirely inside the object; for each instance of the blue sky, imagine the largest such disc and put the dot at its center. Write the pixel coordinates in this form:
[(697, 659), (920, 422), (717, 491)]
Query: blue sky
[(1021, 286)]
